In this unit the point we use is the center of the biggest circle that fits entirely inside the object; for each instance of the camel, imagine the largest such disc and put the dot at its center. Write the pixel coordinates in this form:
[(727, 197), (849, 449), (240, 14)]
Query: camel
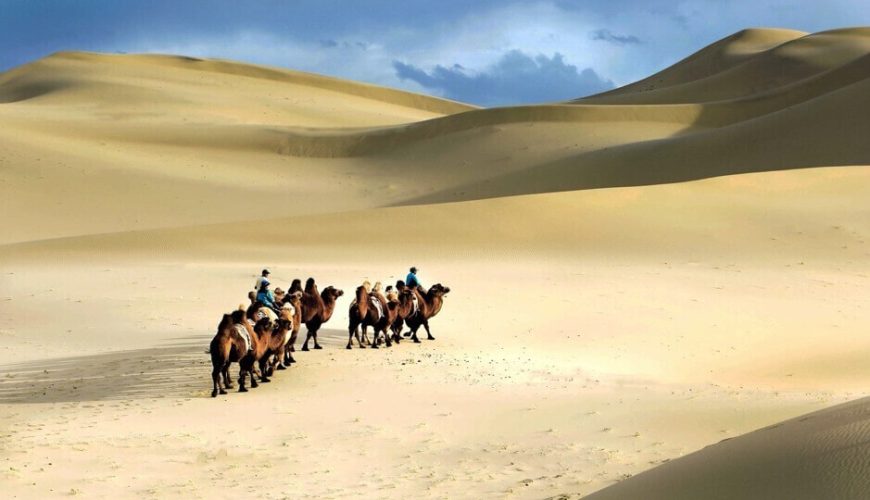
[(229, 346), (293, 301), (226, 347), (429, 304), (370, 309), (259, 342), (274, 341), (358, 311), (317, 309), (404, 308)]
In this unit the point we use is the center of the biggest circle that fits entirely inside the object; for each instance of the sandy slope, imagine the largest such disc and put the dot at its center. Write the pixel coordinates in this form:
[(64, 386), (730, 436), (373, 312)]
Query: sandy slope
[(591, 334), (820, 455)]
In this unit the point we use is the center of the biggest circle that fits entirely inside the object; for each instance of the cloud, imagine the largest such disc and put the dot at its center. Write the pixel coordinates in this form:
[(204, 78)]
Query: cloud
[(328, 44), (516, 77), (608, 36)]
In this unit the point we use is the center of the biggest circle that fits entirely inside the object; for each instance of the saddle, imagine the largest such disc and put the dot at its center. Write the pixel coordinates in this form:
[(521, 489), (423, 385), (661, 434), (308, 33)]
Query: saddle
[(243, 333), (265, 312), (374, 302)]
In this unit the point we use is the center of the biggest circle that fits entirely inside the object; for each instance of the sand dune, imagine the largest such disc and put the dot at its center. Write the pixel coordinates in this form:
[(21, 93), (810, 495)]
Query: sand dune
[(711, 60), (822, 455), (635, 275), (140, 111), (748, 63)]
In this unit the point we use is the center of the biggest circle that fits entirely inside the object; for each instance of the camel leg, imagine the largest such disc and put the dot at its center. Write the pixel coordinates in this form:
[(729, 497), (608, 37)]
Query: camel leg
[(358, 339), (264, 370), (255, 370), (316, 345), (292, 348), (228, 381), (242, 373), (307, 338), (414, 334), (216, 381), (374, 341), (278, 359), (351, 329), (387, 339), (428, 333)]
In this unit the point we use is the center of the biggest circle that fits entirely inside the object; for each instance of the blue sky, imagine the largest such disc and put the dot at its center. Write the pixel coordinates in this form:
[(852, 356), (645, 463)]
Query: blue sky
[(485, 52)]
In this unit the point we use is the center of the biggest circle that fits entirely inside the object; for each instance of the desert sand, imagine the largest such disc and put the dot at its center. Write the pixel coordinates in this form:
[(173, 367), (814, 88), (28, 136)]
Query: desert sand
[(657, 292)]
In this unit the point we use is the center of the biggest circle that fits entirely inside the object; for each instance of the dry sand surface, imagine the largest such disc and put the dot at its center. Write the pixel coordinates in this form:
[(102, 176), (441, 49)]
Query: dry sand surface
[(658, 292)]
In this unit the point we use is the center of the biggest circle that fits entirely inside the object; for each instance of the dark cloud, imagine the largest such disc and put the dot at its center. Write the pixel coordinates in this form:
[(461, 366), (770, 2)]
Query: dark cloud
[(608, 36), (516, 78), (328, 44)]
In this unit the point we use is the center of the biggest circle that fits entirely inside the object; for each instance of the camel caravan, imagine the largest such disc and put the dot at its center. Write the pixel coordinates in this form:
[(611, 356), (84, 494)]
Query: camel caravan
[(262, 337)]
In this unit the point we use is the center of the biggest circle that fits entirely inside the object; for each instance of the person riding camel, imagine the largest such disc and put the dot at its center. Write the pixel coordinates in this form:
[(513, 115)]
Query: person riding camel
[(266, 297), (412, 281), (263, 277)]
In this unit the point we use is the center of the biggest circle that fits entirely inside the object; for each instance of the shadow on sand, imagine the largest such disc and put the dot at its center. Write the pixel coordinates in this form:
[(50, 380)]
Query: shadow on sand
[(178, 370)]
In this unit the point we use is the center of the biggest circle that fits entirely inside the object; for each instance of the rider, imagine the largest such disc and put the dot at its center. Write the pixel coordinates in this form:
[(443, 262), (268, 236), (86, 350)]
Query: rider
[(266, 297), (411, 280), (263, 277)]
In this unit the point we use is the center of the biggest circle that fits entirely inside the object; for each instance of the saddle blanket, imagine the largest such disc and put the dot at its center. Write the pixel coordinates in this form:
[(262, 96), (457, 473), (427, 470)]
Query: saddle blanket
[(377, 305), (243, 333)]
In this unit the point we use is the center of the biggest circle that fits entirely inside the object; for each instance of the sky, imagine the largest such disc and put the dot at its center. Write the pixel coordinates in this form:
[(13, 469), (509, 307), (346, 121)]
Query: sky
[(484, 52)]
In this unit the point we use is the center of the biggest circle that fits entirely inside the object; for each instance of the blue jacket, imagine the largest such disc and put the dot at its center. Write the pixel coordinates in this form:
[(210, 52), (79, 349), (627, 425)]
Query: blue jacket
[(411, 281), (267, 298)]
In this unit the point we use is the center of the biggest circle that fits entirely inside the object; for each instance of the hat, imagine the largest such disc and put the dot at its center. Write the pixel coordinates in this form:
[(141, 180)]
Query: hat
[(265, 271), (278, 290), (413, 269)]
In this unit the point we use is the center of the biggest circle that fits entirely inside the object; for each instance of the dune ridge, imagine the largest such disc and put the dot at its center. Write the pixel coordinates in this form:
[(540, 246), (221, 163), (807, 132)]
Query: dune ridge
[(21, 83)]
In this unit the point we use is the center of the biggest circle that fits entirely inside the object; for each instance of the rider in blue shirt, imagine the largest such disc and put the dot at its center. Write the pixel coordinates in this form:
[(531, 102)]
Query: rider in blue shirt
[(265, 296), (411, 280)]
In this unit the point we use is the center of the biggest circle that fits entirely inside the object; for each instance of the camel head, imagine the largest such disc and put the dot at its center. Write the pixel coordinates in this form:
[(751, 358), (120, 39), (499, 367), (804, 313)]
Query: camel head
[(438, 290), (331, 292)]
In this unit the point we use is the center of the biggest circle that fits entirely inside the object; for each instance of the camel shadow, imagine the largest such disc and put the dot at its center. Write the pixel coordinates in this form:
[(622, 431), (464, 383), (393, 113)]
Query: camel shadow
[(178, 370), (335, 338)]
